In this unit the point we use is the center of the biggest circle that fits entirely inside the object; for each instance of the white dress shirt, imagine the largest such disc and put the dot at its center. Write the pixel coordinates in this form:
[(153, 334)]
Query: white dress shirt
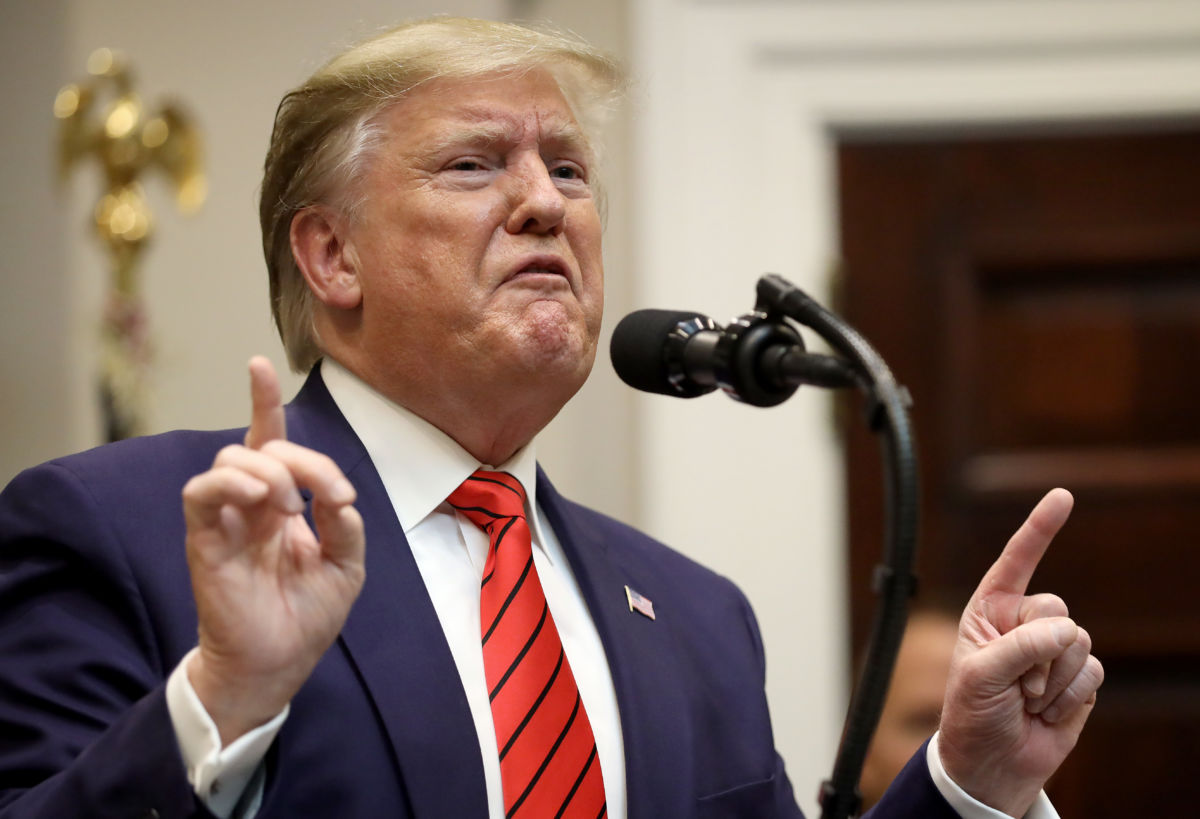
[(420, 466)]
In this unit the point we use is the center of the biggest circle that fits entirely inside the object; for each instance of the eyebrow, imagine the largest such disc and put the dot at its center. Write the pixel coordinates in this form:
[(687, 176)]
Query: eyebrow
[(482, 128)]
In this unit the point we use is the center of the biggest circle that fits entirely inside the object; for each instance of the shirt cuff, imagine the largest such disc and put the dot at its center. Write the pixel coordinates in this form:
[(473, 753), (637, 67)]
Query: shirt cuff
[(968, 807), (218, 775)]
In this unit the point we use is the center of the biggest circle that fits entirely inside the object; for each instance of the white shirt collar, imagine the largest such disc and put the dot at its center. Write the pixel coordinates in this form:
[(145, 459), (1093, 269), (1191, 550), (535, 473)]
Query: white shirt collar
[(418, 463)]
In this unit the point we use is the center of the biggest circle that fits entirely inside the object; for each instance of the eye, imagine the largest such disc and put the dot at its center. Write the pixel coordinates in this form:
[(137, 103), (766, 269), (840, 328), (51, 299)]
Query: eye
[(567, 170), (465, 165)]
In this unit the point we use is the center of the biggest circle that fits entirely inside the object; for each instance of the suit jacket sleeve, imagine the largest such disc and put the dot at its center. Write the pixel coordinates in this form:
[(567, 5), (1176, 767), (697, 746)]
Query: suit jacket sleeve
[(84, 727)]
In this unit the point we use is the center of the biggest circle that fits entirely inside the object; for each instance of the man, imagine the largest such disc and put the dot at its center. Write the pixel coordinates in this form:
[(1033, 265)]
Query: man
[(434, 248)]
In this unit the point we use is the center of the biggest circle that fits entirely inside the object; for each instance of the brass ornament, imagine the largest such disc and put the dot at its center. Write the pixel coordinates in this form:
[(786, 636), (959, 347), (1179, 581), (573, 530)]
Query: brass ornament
[(103, 118)]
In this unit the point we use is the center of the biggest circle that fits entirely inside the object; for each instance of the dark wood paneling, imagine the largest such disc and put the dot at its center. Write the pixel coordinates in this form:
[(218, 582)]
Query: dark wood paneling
[(1040, 297)]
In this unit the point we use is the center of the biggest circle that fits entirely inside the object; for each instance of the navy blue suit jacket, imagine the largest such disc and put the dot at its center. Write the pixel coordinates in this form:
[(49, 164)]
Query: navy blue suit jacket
[(96, 610)]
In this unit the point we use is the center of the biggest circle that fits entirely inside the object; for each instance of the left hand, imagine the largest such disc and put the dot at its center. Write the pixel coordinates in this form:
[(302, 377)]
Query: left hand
[(1023, 680)]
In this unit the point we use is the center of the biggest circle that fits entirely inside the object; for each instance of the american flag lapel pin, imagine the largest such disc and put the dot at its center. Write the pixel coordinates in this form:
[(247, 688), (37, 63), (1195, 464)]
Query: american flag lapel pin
[(639, 603)]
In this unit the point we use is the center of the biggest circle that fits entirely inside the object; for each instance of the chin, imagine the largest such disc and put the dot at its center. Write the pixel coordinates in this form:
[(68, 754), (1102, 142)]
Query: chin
[(558, 341)]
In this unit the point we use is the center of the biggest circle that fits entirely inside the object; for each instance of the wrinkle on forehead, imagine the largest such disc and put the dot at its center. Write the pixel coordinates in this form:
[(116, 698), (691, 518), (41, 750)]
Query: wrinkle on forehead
[(481, 128), (481, 121)]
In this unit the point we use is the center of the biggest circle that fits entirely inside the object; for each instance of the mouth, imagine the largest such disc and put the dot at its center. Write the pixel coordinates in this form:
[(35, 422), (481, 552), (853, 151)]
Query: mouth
[(541, 266)]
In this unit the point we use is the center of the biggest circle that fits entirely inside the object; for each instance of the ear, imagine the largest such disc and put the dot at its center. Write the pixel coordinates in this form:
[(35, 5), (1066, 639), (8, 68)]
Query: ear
[(318, 238)]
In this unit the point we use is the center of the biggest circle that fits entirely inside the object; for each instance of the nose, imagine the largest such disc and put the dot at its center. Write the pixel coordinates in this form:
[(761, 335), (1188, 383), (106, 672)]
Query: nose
[(538, 206)]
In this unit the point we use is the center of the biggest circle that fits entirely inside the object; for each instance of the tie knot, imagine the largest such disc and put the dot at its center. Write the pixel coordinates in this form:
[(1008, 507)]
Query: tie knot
[(489, 496)]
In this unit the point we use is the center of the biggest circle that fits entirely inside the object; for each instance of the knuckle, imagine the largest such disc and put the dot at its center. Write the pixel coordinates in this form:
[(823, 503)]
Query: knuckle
[(228, 453), (191, 489), (1043, 605), (1083, 684), (1028, 641), (1056, 604), (275, 446)]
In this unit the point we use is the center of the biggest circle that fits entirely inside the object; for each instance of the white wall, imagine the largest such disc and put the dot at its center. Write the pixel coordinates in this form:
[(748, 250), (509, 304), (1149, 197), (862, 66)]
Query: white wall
[(35, 416)]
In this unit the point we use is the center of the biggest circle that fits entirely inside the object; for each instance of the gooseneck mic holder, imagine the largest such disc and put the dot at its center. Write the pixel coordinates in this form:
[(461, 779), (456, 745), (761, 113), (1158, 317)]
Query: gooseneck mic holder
[(760, 359), (894, 582)]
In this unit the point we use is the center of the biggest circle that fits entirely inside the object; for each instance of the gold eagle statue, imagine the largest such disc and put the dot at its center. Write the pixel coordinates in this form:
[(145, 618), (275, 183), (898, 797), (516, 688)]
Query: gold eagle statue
[(104, 119)]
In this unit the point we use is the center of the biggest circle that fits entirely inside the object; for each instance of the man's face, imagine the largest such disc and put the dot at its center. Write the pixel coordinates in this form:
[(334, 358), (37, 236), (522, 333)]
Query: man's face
[(478, 247)]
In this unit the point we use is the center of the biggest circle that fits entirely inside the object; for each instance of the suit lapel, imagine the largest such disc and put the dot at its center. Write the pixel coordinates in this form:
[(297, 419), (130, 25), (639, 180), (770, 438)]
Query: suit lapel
[(395, 641), (640, 654), (393, 636)]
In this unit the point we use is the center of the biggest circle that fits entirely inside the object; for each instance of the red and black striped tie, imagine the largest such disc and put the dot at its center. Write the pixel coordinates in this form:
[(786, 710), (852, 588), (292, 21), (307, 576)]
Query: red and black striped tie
[(548, 762)]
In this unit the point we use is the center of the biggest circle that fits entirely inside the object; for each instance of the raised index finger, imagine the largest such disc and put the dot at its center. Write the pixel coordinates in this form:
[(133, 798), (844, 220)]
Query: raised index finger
[(266, 404), (1013, 570)]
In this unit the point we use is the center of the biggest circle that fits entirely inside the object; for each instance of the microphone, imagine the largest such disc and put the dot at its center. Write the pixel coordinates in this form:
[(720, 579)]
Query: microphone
[(755, 360), (668, 352)]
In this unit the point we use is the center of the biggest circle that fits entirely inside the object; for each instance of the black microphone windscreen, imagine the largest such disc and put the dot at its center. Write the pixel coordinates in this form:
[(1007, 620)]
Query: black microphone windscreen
[(638, 348)]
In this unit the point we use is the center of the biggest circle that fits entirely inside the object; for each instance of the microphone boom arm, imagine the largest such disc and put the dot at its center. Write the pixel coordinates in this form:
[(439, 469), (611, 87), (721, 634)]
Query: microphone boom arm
[(894, 582), (760, 359)]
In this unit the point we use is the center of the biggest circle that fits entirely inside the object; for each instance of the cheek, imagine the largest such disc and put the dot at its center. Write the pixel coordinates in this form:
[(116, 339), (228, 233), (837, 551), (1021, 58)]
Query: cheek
[(587, 246), (443, 227), (423, 259), (471, 216), (589, 230), (594, 285)]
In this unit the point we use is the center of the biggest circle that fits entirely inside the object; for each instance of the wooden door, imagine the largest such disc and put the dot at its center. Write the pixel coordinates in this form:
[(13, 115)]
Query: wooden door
[(1039, 294)]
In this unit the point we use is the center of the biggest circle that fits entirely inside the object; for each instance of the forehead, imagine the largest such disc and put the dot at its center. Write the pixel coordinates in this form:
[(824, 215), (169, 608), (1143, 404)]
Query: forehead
[(529, 105)]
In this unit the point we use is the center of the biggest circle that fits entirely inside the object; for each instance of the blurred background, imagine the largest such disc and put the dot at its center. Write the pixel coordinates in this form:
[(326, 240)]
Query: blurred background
[(1003, 195)]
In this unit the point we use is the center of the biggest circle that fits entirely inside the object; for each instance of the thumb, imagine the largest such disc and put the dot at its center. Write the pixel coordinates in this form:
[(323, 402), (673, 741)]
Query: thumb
[(1039, 641)]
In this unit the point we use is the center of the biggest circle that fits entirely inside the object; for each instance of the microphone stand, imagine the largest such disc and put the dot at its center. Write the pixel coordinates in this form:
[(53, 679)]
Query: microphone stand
[(894, 581)]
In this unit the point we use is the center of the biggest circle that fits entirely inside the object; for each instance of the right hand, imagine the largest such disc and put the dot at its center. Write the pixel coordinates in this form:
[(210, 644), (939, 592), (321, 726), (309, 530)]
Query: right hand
[(271, 596)]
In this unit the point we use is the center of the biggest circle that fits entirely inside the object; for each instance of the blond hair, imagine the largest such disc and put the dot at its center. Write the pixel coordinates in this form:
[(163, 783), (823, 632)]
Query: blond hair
[(327, 128)]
